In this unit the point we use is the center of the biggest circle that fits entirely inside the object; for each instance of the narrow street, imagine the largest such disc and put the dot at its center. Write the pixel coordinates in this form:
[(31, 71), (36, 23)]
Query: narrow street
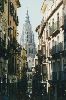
[(32, 49)]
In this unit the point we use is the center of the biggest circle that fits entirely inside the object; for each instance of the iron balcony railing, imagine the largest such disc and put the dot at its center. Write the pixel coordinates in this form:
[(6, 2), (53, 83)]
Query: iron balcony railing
[(57, 48), (54, 76), (54, 29), (56, 26), (53, 50), (60, 47), (60, 75)]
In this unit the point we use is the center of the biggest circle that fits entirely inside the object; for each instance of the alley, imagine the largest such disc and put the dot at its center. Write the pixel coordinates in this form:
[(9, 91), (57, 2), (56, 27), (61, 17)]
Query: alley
[(32, 49)]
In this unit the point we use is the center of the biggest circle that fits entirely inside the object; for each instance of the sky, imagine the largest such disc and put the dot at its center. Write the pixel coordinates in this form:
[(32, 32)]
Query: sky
[(34, 10)]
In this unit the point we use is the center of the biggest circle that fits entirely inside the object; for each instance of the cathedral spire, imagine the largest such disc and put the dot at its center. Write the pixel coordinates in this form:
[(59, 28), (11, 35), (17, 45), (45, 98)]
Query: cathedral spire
[(27, 17)]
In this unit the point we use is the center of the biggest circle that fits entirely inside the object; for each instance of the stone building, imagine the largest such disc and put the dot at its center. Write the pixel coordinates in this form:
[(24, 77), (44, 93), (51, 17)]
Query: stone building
[(8, 33)]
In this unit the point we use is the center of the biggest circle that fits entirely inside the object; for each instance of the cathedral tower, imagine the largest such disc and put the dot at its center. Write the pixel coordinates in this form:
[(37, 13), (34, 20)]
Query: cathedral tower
[(27, 41)]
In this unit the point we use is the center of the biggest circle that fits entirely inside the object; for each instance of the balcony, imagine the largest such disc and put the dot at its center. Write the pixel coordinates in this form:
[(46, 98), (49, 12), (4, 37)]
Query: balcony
[(54, 76), (2, 6), (61, 46), (53, 50), (58, 77), (57, 48), (62, 75), (55, 29)]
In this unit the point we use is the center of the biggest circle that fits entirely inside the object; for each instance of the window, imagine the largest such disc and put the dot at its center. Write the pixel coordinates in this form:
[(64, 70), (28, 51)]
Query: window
[(58, 39), (27, 39), (57, 20), (54, 67), (49, 30), (13, 29), (1, 5), (30, 76), (10, 22), (5, 36), (52, 24), (29, 50), (32, 50), (53, 43), (44, 49), (49, 48), (57, 16), (27, 36), (46, 33)]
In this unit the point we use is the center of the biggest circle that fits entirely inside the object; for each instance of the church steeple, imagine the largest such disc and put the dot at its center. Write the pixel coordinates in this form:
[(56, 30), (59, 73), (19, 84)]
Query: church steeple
[(27, 17)]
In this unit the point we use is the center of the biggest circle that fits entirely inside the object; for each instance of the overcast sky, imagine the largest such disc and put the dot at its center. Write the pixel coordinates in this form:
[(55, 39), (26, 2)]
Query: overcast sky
[(34, 9)]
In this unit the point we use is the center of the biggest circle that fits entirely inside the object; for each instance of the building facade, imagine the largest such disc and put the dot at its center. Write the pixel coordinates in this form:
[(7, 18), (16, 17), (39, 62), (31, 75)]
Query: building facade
[(3, 39), (12, 34), (52, 36), (8, 43)]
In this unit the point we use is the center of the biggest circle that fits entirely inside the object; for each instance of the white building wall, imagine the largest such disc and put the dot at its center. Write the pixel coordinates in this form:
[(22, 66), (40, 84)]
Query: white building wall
[(60, 35)]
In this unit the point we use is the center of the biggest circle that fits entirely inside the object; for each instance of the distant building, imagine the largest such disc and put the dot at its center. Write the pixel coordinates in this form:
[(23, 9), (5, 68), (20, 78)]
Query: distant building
[(21, 62), (27, 41)]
